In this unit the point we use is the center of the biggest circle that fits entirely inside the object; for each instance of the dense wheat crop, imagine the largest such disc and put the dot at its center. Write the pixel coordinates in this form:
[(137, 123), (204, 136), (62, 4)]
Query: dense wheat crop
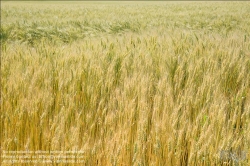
[(127, 83)]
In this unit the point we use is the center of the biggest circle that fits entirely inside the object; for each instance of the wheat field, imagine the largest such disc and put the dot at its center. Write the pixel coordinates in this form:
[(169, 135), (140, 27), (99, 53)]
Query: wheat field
[(127, 83)]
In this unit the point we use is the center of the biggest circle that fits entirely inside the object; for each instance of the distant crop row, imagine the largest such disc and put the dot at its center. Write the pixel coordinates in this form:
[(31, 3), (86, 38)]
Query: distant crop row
[(64, 24)]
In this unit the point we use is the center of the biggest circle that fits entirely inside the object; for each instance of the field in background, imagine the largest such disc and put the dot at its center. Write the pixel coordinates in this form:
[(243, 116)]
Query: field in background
[(128, 83)]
